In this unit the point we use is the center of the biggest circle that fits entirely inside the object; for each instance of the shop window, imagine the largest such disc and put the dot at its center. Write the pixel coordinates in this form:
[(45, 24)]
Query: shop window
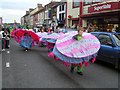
[(75, 22), (76, 3)]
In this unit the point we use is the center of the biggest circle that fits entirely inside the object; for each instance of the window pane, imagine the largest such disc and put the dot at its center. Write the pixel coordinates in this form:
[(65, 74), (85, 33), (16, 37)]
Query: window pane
[(62, 16), (117, 39), (59, 8), (62, 7), (76, 3), (97, 0), (87, 1), (94, 34), (105, 40)]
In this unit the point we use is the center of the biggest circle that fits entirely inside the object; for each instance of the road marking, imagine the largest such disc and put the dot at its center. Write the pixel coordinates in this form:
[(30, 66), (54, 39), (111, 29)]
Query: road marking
[(8, 51), (7, 64)]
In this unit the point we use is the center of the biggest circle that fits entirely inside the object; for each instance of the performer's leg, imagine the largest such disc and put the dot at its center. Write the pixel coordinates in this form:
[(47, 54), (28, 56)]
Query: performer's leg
[(3, 44), (72, 68), (26, 49), (80, 70)]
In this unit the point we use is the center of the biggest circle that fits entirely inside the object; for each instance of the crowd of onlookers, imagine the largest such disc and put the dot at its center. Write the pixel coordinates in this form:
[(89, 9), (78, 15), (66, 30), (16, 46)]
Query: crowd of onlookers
[(5, 33), (49, 30), (5, 37)]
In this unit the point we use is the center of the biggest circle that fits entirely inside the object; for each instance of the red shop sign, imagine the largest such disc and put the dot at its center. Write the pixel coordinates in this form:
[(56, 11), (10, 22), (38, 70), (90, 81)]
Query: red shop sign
[(104, 7)]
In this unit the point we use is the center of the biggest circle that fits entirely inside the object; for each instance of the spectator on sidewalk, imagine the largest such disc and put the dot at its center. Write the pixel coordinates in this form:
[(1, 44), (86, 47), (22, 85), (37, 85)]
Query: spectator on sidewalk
[(7, 38), (2, 35)]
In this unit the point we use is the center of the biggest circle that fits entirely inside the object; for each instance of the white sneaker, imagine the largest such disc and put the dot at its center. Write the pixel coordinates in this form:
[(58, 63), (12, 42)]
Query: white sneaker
[(8, 45), (3, 49), (25, 50)]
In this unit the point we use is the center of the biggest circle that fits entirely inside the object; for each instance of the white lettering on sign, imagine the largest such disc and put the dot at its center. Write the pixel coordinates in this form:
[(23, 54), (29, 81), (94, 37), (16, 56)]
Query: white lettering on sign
[(107, 6)]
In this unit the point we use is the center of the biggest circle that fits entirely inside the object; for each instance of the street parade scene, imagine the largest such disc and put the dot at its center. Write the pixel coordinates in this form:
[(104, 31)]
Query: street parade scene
[(60, 44)]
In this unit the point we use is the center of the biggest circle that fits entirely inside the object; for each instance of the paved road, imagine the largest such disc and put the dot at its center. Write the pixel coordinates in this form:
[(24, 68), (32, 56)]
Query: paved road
[(33, 69)]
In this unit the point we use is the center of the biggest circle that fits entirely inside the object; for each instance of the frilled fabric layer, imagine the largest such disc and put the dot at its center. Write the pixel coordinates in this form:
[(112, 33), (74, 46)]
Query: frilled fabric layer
[(26, 42), (72, 60), (19, 33), (67, 61), (87, 46), (17, 36)]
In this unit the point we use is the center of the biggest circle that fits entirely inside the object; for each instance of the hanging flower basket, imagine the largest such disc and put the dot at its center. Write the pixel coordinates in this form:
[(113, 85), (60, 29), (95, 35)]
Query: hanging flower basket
[(69, 17)]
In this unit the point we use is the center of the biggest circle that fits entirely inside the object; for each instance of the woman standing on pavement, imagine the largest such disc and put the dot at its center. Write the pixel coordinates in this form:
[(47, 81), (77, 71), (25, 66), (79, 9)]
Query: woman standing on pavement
[(7, 38), (3, 34)]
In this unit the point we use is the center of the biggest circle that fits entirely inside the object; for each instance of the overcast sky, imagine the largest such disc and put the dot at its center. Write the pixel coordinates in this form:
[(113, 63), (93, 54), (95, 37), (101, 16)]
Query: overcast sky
[(11, 10)]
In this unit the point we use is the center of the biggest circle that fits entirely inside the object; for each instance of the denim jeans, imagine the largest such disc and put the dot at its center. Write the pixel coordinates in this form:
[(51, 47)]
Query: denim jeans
[(7, 43), (3, 43)]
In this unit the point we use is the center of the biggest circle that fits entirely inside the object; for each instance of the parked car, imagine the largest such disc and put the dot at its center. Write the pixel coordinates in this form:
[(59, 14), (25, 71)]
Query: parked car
[(110, 47)]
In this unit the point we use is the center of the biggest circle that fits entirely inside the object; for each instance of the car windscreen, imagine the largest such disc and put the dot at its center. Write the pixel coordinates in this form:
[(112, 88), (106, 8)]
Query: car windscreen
[(95, 34), (117, 39)]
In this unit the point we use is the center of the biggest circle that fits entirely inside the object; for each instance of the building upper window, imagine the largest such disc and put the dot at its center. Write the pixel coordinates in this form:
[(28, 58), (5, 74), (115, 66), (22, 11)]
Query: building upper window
[(87, 2), (96, 1), (61, 16), (76, 3), (61, 7)]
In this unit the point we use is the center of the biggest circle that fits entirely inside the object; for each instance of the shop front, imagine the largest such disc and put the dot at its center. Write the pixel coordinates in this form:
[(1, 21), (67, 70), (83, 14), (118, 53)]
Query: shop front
[(103, 17), (104, 23), (75, 21)]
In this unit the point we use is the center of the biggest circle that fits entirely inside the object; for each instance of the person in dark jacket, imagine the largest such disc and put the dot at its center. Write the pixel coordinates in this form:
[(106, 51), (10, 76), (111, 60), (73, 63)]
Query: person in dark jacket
[(7, 38), (3, 34)]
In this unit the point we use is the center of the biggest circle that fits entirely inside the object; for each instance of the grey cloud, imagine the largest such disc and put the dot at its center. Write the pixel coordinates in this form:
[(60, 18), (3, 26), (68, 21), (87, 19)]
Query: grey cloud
[(15, 5)]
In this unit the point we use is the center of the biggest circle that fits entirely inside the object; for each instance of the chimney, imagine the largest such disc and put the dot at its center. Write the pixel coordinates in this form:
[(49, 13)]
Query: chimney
[(30, 9), (39, 5), (27, 12)]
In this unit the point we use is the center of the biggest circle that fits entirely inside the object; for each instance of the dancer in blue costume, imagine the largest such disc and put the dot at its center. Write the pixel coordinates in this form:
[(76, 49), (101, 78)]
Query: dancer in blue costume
[(26, 42)]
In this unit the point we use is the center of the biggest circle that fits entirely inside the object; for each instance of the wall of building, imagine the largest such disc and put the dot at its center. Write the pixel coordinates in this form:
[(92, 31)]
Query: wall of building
[(74, 12), (41, 17), (31, 21)]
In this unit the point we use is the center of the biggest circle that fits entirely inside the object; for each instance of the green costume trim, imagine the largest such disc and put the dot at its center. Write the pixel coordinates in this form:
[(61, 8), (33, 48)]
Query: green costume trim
[(79, 37), (79, 69)]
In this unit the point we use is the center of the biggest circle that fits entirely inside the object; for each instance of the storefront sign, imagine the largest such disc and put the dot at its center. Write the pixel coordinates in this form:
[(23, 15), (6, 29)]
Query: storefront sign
[(104, 7), (98, 8)]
